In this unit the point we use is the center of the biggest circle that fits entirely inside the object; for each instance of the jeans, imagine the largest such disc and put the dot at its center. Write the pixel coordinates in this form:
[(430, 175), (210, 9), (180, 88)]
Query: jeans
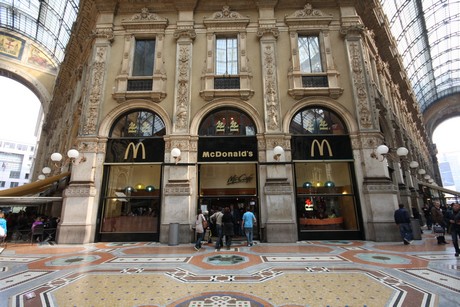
[(248, 232), (405, 230), (219, 242), (199, 238), (455, 232)]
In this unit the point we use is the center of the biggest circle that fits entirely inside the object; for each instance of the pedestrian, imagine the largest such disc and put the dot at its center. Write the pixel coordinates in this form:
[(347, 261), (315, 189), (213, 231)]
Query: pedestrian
[(200, 226), (247, 223), (454, 220), (402, 219), (438, 218), (427, 213), (228, 223), (3, 227), (216, 220)]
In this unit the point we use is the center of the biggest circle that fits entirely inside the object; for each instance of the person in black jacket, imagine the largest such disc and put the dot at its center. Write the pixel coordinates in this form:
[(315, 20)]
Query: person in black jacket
[(453, 218), (402, 219), (227, 227)]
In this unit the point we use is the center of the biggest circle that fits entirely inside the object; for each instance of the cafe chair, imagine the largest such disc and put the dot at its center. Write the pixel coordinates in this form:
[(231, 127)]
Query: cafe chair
[(37, 232)]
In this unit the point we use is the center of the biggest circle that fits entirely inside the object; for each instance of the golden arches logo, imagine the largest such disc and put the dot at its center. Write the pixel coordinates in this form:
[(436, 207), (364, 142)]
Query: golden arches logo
[(135, 150), (320, 148)]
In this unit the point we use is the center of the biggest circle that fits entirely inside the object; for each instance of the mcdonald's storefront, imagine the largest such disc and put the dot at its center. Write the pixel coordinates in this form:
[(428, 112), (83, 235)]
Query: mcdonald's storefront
[(327, 202), (228, 175)]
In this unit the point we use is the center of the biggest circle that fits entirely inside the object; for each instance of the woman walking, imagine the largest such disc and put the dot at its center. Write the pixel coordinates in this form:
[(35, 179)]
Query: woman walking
[(199, 228), (228, 223)]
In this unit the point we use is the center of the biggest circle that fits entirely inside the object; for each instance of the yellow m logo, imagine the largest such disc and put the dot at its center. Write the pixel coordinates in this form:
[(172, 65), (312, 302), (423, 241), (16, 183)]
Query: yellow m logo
[(320, 148), (135, 150)]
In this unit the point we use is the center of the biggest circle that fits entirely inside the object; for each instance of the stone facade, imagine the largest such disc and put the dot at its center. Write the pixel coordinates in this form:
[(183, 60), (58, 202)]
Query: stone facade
[(376, 105)]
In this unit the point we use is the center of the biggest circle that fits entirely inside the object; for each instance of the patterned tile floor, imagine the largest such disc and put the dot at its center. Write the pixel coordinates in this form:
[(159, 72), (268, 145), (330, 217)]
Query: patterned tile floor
[(307, 273)]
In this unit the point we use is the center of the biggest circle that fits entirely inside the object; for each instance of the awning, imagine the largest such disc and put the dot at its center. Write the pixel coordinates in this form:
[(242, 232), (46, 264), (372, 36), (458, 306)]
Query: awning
[(442, 189), (33, 188)]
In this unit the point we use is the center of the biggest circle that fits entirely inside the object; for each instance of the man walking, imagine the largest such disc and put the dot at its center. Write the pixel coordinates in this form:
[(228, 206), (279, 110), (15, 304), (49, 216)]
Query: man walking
[(453, 218), (402, 219), (216, 219), (248, 221)]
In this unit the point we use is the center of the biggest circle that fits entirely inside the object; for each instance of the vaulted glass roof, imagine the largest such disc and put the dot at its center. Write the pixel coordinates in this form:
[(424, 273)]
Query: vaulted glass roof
[(427, 33), (48, 22)]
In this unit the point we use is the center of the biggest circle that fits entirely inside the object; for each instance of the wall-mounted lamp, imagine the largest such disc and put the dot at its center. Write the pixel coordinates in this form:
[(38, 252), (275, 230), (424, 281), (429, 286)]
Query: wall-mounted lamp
[(277, 152), (413, 164), (430, 180), (427, 177), (175, 153), (421, 171), (73, 157), (384, 151)]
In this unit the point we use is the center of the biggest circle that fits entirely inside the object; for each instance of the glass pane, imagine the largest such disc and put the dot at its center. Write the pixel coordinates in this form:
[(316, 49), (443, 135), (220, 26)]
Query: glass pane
[(227, 122), (316, 121), (132, 202), (325, 198), (228, 179), (138, 124), (309, 54), (144, 55), (226, 56)]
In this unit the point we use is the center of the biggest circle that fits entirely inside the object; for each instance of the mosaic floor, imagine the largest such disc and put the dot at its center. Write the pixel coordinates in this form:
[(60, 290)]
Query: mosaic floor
[(308, 273)]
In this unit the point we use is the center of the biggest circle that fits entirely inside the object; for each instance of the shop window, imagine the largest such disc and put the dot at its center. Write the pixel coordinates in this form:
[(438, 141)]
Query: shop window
[(142, 72), (323, 165), (131, 199), (227, 70), (313, 69)]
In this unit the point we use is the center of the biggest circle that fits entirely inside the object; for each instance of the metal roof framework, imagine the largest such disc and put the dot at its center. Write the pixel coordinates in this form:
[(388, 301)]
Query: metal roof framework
[(427, 33), (47, 22)]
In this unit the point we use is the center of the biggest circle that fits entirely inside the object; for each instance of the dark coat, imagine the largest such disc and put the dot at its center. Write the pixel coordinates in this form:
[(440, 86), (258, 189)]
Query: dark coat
[(228, 224)]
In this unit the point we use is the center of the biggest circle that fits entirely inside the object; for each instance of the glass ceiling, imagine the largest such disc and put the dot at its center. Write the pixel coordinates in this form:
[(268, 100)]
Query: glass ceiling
[(427, 33), (48, 22)]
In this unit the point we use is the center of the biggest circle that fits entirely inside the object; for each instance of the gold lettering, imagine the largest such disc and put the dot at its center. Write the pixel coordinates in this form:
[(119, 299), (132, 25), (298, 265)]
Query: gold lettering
[(132, 128), (135, 150), (234, 127), (220, 126), (320, 148), (323, 125)]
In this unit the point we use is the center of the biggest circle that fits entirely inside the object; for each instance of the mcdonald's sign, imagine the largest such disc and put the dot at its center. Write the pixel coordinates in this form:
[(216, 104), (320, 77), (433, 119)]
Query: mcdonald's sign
[(321, 147), (135, 150)]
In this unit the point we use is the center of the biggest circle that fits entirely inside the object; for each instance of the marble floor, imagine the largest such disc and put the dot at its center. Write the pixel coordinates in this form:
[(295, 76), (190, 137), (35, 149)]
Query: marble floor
[(307, 273)]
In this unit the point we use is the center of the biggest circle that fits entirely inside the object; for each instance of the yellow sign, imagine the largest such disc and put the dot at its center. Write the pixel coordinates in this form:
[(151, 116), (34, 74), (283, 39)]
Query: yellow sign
[(320, 148), (135, 150), (11, 46)]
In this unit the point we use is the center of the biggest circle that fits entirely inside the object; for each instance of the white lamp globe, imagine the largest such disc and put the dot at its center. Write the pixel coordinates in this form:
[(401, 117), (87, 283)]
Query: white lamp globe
[(56, 157), (382, 149), (175, 152), (41, 177), (46, 170), (421, 171), (73, 153), (278, 150), (413, 164), (402, 151)]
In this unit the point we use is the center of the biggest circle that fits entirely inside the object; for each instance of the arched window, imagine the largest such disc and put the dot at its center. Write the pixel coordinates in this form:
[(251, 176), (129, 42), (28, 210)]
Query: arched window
[(227, 122), (317, 121), (138, 123)]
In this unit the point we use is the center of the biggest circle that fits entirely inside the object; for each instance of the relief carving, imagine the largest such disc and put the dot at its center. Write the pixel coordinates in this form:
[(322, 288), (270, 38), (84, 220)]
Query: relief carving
[(271, 95), (183, 87)]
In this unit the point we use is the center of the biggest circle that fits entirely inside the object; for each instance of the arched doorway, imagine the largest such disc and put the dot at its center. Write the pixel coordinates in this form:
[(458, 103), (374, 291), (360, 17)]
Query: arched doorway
[(130, 204), (227, 163), (326, 198)]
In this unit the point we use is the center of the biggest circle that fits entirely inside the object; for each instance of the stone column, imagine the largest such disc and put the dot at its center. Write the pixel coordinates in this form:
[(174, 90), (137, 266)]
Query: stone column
[(81, 198), (278, 217), (177, 195), (379, 194)]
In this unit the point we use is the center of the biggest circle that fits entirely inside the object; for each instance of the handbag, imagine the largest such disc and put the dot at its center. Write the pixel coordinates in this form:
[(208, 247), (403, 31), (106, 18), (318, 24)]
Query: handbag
[(205, 224), (438, 229)]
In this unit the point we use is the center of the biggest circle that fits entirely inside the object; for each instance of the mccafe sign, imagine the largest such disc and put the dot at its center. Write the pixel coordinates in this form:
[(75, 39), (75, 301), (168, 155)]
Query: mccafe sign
[(219, 149)]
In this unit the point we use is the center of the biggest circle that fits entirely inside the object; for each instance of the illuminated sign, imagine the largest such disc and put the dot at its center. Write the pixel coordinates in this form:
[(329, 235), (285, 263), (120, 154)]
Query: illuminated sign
[(320, 148), (219, 149), (135, 150)]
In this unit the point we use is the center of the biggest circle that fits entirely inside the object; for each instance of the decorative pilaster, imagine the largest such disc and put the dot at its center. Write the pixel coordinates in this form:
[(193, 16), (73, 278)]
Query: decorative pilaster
[(184, 39)]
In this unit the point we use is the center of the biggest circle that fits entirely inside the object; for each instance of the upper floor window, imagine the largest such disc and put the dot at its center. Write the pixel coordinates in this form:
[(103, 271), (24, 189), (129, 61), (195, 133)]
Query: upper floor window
[(144, 53), (15, 174), (14, 184), (226, 56), (227, 70), (310, 54), (2, 184), (142, 73), (313, 71)]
